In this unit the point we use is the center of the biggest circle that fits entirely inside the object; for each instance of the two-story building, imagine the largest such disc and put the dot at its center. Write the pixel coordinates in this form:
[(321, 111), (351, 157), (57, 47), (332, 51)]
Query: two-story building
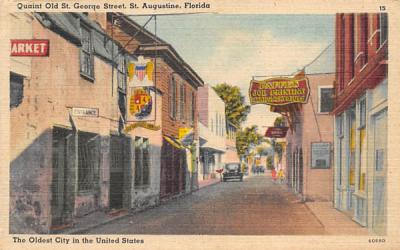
[(211, 132), (177, 84), (65, 118), (361, 111), (309, 157)]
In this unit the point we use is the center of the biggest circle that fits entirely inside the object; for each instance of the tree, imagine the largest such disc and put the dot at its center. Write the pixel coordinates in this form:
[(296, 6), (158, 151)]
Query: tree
[(278, 148), (246, 139), (279, 122), (270, 164), (236, 110)]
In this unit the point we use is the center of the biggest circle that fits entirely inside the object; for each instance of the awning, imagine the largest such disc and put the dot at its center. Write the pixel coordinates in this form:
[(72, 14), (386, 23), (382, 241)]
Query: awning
[(174, 142)]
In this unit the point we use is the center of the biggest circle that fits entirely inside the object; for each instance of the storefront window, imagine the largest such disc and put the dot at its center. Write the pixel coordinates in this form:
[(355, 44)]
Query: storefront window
[(352, 152), (362, 148)]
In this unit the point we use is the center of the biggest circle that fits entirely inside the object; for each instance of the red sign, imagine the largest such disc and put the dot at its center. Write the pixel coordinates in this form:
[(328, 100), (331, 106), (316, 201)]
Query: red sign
[(279, 91), (276, 132), (31, 47)]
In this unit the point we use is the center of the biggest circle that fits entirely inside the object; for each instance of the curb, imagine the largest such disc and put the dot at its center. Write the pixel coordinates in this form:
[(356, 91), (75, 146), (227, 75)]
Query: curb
[(83, 230), (211, 184), (316, 217)]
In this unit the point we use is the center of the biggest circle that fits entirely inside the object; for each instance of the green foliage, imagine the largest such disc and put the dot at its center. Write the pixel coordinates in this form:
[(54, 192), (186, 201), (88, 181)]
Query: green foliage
[(270, 164), (235, 109), (279, 122), (262, 150), (247, 138)]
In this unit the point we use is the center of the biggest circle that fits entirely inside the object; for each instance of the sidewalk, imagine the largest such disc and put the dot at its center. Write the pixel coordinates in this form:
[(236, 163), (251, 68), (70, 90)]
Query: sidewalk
[(334, 221), (208, 182), (93, 220), (87, 222)]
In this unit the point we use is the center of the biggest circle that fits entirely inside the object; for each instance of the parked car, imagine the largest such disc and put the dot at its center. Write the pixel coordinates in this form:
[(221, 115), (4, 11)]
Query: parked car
[(232, 172)]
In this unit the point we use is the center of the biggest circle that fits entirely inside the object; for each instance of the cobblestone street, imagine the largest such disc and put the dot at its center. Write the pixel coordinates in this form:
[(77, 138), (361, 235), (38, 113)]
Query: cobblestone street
[(255, 206)]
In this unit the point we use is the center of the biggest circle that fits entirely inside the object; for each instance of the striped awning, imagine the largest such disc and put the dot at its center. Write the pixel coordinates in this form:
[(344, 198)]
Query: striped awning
[(174, 142)]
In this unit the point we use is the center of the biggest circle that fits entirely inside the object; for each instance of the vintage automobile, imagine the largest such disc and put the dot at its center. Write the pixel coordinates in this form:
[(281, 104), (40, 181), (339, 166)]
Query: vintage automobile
[(232, 171)]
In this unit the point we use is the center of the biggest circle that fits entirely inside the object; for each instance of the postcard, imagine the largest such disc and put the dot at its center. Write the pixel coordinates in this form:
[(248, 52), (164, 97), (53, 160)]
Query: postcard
[(199, 124)]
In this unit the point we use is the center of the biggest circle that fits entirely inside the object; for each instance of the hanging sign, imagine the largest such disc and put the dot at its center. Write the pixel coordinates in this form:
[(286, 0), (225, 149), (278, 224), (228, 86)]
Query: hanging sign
[(279, 91), (141, 91), (145, 125), (276, 132), (29, 47)]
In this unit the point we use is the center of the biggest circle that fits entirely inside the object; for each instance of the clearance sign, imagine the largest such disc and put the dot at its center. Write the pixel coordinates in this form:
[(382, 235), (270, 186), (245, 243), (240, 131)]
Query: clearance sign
[(279, 91)]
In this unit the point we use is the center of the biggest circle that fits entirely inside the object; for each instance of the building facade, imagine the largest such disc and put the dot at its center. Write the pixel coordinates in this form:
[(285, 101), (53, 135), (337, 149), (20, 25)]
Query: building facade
[(61, 141), (212, 132), (177, 84), (231, 155), (309, 150), (361, 118)]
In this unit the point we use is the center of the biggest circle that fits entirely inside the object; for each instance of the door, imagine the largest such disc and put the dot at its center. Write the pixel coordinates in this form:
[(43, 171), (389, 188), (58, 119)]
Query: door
[(380, 171), (116, 172), (64, 171), (301, 171)]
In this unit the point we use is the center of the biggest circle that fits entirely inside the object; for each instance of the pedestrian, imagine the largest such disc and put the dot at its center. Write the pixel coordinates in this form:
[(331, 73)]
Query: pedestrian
[(281, 176), (273, 174)]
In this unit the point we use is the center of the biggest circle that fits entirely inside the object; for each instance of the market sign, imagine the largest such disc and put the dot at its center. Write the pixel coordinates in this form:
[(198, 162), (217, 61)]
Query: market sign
[(279, 91), (276, 132), (29, 47)]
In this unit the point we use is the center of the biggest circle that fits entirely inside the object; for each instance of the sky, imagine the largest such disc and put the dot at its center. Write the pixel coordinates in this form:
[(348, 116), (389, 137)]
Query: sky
[(234, 48)]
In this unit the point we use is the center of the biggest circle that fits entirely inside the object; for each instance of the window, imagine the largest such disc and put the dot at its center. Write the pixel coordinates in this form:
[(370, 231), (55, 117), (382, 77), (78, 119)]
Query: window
[(193, 107), (142, 162), (364, 37), (182, 102), (383, 27), (325, 99), (121, 75), (353, 42), (16, 90), (88, 161), (342, 53), (121, 78), (172, 97), (352, 144), (87, 67), (216, 123), (362, 168), (355, 36)]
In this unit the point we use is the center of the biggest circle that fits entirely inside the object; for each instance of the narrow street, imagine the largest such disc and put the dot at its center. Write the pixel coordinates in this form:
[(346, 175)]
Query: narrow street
[(256, 206)]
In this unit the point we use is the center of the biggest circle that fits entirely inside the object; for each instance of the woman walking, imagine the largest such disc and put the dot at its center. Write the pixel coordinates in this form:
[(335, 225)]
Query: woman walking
[(273, 174), (281, 176)]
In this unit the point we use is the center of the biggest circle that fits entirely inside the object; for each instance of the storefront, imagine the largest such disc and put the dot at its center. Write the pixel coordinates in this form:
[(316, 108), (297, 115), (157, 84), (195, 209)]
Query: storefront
[(361, 149)]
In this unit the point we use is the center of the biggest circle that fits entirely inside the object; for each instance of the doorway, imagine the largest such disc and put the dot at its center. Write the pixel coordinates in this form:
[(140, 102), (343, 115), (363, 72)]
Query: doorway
[(380, 172), (120, 160), (64, 155)]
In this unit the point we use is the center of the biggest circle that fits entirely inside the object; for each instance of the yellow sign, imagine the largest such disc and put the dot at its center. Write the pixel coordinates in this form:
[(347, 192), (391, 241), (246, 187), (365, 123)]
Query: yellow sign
[(143, 125), (183, 131)]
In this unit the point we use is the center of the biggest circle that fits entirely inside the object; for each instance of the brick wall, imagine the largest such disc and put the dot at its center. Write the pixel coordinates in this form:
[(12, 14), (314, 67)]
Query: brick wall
[(362, 67)]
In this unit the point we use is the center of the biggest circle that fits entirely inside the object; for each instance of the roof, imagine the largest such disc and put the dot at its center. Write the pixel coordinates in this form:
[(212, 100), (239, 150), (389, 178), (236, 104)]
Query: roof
[(173, 58), (68, 25), (150, 44)]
